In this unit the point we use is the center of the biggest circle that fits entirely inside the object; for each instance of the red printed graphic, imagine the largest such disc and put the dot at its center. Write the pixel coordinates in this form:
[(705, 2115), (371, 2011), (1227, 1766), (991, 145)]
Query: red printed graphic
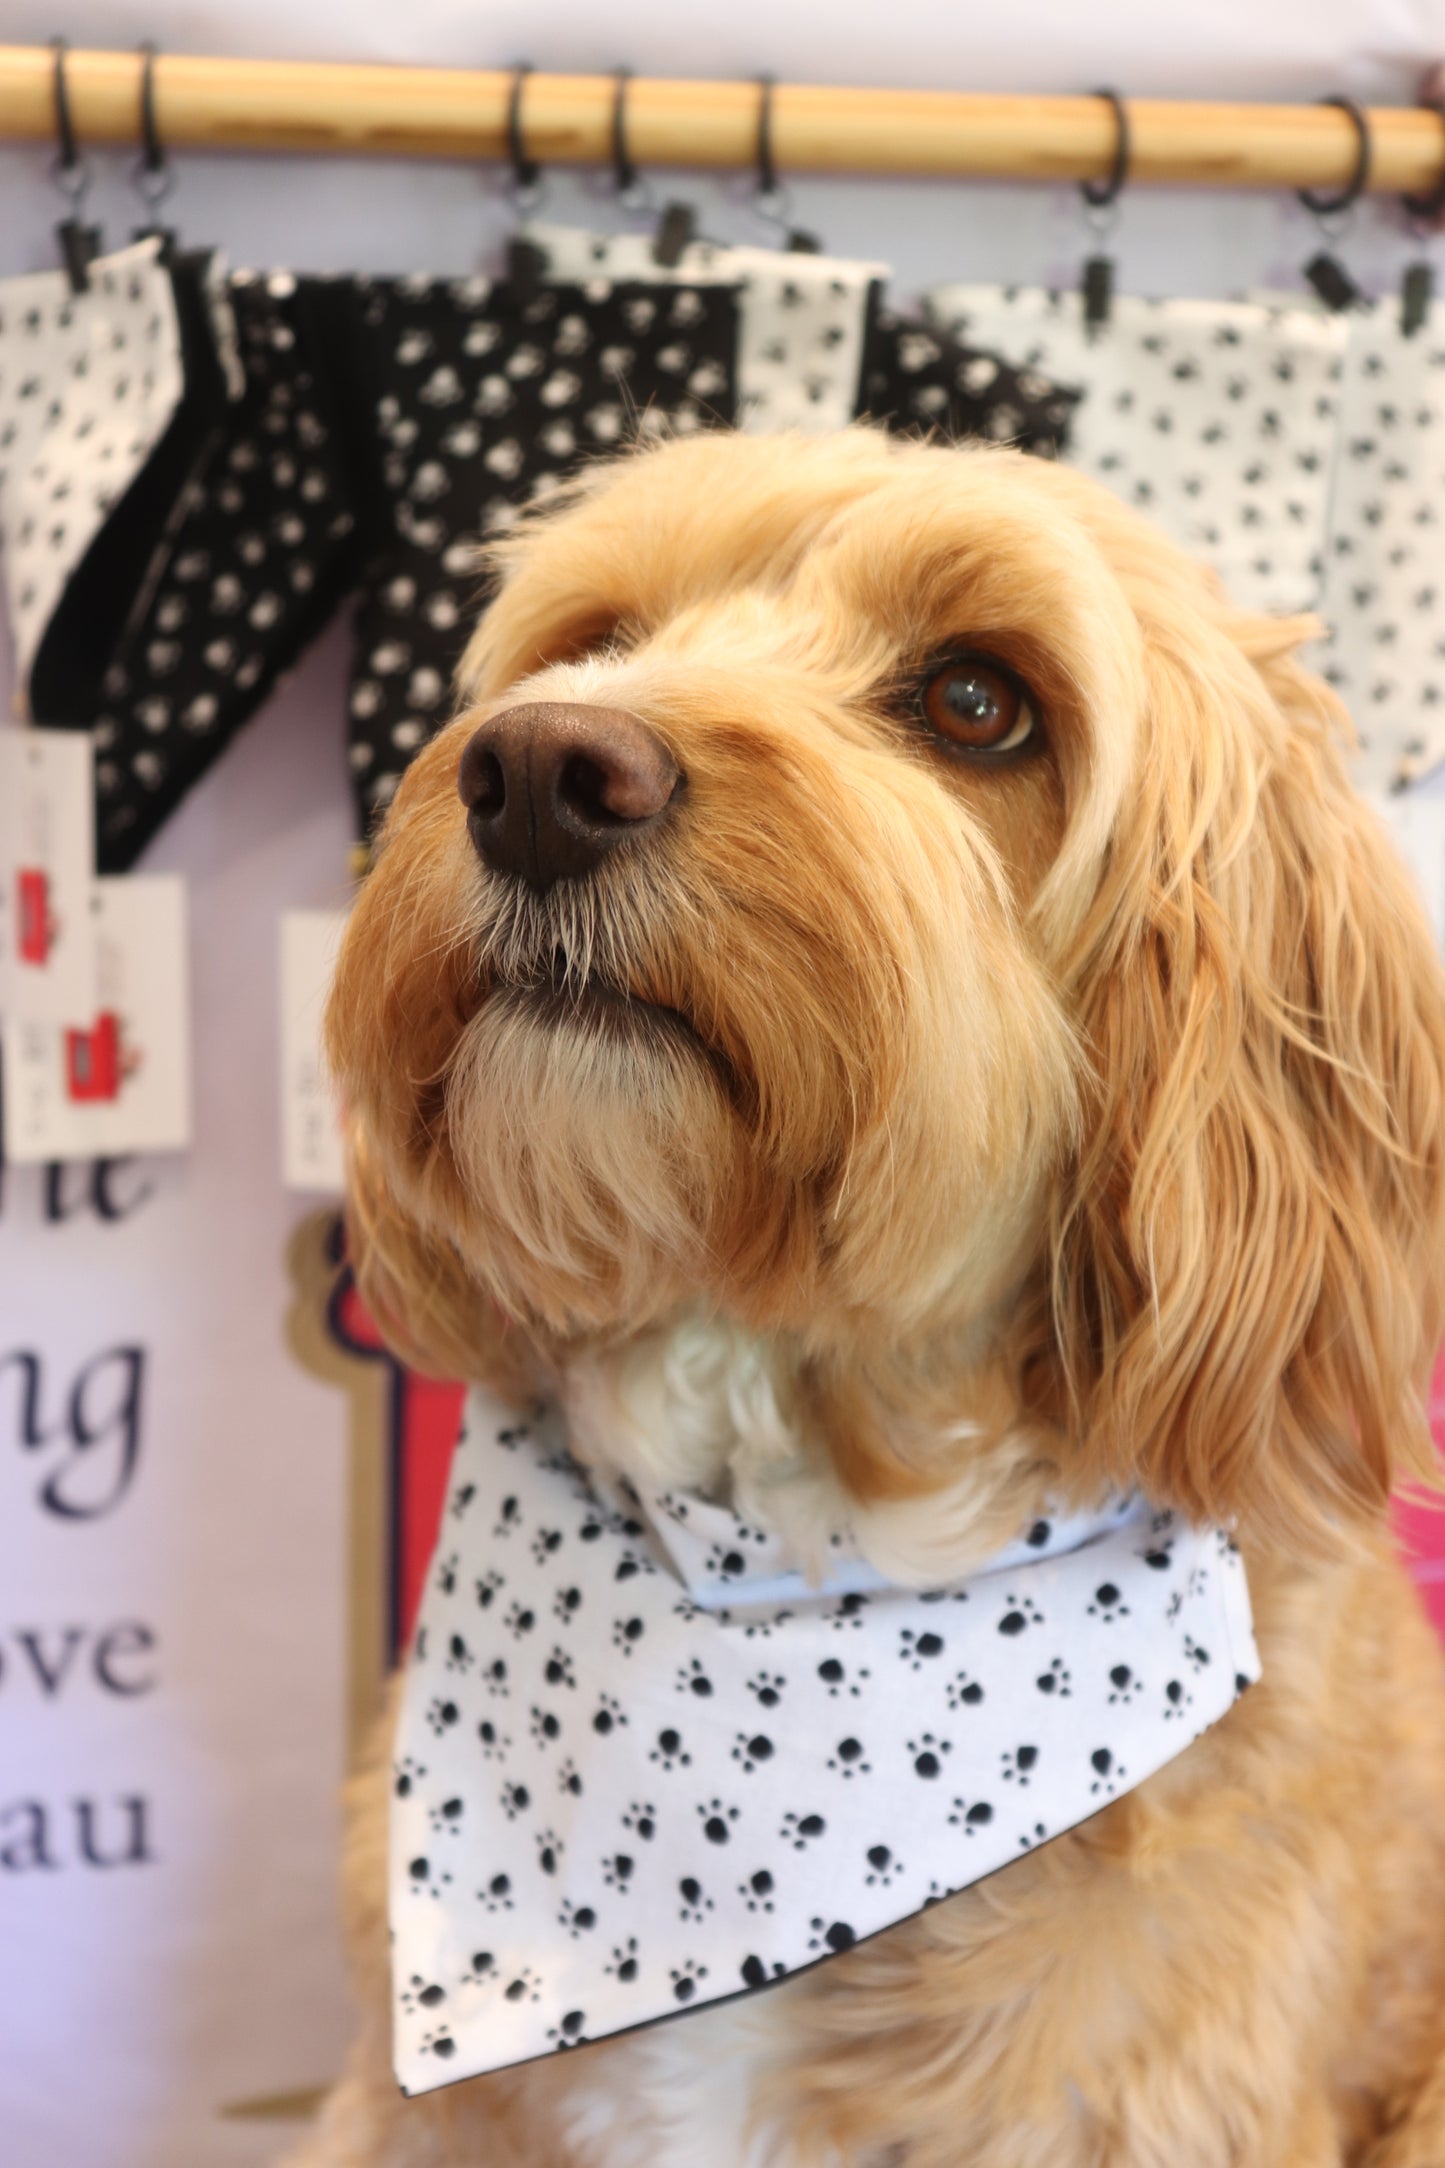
[(34, 921), (94, 1064)]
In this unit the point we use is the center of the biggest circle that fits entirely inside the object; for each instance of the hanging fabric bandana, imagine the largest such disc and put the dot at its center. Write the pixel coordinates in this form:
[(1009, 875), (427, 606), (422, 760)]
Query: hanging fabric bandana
[(917, 378), (259, 554), (86, 628), (642, 1766), (817, 348), (468, 401), (1217, 419), (88, 383), (800, 317), (1384, 597)]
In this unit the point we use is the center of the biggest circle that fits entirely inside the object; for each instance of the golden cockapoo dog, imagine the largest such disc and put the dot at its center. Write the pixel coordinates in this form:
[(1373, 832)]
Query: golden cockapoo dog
[(953, 1040)]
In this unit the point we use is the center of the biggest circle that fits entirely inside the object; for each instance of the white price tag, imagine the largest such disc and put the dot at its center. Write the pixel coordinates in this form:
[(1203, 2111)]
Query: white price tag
[(311, 1154), (119, 1080), (47, 866)]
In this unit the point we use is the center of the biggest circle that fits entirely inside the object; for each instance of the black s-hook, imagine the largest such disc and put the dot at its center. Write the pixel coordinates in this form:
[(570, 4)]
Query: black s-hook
[(772, 196), (526, 263), (1425, 214), (1101, 201), (79, 244), (154, 177), (1328, 276)]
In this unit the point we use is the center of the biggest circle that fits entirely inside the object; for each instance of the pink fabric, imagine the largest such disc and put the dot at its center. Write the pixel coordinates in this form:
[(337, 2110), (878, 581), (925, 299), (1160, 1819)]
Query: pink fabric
[(1420, 1523)]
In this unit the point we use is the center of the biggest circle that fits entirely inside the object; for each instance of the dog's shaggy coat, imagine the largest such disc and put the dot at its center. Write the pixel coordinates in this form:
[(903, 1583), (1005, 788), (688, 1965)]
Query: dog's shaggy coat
[(974, 1133)]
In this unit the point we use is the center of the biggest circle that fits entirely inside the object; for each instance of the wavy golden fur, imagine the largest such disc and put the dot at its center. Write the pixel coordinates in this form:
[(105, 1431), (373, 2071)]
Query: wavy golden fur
[(1032, 1129)]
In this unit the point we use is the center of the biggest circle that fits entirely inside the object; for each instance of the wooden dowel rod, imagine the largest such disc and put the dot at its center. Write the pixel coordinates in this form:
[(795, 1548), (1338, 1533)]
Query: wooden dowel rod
[(254, 105)]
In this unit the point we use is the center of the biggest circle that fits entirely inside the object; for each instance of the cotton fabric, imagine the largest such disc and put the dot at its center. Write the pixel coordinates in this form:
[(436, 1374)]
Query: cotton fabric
[(922, 381), (641, 1766), (258, 555), (801, 317), (1217, 419), (109, 581), (88, 383), (818, 347), (1384, 583), (470, 400)]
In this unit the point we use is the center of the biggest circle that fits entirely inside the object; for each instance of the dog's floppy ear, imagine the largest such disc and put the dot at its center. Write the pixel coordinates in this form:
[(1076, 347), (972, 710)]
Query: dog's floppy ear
[(1247, 1261), (427, 1307)]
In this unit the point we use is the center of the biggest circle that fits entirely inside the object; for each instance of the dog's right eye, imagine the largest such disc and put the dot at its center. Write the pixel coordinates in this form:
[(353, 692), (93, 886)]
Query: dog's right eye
[(977, 705)]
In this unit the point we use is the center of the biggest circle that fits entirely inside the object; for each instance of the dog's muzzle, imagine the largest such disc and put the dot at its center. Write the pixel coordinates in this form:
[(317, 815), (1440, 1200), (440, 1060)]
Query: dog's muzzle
[(550, 789)]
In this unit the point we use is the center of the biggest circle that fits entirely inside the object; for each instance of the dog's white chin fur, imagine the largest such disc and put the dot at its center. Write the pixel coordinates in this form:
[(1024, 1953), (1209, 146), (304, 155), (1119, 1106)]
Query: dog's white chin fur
[(696, 1405)]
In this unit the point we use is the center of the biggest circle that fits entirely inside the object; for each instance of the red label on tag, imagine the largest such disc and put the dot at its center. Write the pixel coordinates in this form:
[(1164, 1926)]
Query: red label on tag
[(93, 1060), (35, 926)]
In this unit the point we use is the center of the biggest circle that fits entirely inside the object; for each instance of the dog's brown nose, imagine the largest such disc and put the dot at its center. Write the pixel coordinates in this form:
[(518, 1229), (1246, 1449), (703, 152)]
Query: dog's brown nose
[(549, 789)]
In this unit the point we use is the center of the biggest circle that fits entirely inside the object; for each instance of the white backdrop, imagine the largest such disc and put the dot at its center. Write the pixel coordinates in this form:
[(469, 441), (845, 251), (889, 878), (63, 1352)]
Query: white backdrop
[(184, 1649)]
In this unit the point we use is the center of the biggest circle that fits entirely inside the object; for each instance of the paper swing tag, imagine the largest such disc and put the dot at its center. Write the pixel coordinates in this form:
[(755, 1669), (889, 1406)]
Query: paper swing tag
[(311, 1153), (117, 1078)]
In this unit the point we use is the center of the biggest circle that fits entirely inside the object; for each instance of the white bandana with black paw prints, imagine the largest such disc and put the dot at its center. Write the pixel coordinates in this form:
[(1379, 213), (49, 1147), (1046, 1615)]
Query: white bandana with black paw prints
[(1216, 419), (642, 1766), (88, 382)]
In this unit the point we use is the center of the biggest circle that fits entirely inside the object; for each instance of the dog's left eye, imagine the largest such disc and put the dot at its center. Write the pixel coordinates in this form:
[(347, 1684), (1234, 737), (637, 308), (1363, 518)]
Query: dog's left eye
[(978, 705)]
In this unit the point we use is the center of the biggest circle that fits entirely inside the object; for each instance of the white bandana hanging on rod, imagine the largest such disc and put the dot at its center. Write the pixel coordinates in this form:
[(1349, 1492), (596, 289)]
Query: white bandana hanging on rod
[(1217, 419), (88, 382), (1384, 594), (641, 1766)]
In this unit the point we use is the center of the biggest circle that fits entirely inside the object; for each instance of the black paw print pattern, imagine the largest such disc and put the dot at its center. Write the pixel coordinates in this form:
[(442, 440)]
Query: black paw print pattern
[(670, 1752), (1019, 1613), (477, 399), (717, 1819), (838, 1681), (693, 1900), (752, 1750), (849, 1759), (602, 1813), (927, 1753), (1109, 1772), (263, 548)]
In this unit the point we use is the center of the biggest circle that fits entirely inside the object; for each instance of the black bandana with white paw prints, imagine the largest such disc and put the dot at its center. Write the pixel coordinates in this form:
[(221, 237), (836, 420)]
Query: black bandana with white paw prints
[(471, 400), (642, 1765), (918, 379)]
